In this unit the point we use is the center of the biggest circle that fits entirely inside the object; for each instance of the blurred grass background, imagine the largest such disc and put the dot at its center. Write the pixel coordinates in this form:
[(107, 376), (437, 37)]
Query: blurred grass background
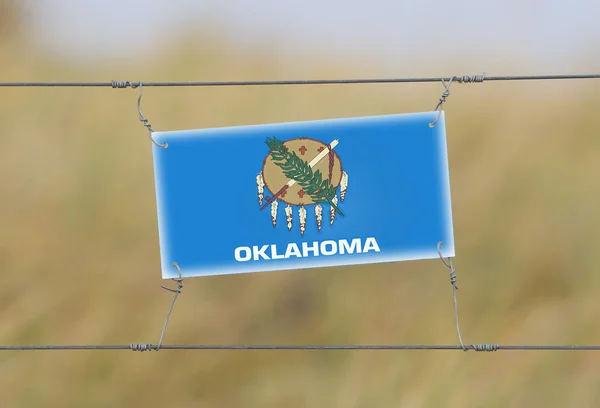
[(80, 258)]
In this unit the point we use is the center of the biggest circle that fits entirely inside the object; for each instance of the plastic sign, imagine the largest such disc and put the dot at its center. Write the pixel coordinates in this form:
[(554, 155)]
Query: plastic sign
[(303, 195)]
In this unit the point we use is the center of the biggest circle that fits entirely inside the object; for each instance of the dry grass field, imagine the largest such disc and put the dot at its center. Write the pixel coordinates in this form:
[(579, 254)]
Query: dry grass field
[(80, 261)]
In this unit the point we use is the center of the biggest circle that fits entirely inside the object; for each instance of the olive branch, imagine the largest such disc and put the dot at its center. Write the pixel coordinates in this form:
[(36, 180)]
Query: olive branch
[(299, 170)]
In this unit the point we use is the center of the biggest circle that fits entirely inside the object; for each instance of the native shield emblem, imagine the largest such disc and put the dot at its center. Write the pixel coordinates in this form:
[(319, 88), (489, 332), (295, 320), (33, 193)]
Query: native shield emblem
[(302, 173)]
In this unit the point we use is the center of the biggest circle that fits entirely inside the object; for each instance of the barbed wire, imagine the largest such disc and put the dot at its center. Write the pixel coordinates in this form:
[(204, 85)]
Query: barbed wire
[(459, 79)]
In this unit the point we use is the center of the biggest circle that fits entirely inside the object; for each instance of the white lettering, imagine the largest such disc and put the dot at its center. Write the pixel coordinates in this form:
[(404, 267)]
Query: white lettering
[(260, 252), (246, 257), (274, 254), (293, 249), (314, 248), (371, 244), (350, 248), (327, 248), (333, 250)]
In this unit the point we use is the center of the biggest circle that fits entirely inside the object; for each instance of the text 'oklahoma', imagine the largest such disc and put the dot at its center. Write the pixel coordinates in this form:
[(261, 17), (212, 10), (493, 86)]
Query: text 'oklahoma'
[(324, 248)]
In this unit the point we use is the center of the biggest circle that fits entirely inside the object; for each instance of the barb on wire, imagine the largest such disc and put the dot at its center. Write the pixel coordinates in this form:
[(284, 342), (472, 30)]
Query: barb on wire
[(460, 79)]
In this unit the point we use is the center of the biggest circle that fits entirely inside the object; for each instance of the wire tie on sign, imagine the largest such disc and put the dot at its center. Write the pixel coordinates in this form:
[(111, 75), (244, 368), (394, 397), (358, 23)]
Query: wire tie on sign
[(177, 291), (453, 279), (145, 347), (455, 289), (440, 106), (141, 115), (133, 85), (465, 79)]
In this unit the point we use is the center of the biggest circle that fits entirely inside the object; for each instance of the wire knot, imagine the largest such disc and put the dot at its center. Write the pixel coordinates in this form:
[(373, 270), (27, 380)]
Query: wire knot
[(455, 289), (177, 291), (449, 265), (124, 84), (143, 118), (440, 106), (453, 278), (179, 281), (141, 347), (443, 98), (485, 347), (146, 123)]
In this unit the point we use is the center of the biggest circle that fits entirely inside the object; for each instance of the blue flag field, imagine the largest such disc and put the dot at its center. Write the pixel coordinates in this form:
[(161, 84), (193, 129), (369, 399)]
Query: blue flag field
[(303, 195)]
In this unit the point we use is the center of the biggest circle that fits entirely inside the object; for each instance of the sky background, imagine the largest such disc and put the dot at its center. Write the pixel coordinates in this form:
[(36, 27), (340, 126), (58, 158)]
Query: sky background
[(546, 36)]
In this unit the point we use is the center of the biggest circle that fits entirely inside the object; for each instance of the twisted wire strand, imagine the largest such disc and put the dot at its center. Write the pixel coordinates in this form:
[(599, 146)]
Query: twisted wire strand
[(453, 280), (139, 107), (439, 106), (177, 291)]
